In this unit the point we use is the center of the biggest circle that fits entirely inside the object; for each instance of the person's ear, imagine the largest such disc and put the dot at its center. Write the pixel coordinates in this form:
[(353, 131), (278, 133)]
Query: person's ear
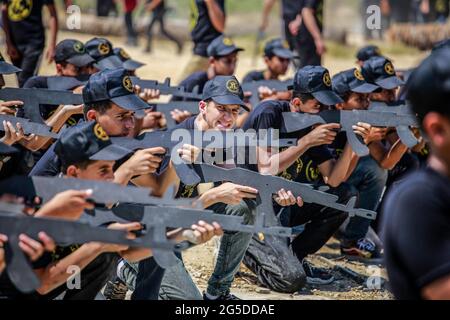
[(72, 171), (266, 60), (437, 128), (59, 69), (202, 105), (340, 106), (212, 61), (91, 115)]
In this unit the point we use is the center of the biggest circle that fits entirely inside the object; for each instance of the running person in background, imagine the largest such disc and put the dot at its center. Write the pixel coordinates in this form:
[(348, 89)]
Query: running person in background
[(207, 23), (159, 10), (129, 7), (25, 34)]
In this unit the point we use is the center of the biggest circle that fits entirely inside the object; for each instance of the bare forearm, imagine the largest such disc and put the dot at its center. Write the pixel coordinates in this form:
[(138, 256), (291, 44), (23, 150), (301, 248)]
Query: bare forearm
[(310, 22), (56, 274), (216, 15), (340, 168), (268, 5), (394, 155), (53, 25)]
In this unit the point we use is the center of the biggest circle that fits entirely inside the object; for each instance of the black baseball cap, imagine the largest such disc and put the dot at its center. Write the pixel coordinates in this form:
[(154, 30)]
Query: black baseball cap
[(381, 71), (316, 80), (278, 47), (7, 68), (367, 52), (116, 86), (222, 46), (87, 141), (74, 52), (429, 85), (128, 63), (442, 44), (102, 51), (224, 90), (351, 81)]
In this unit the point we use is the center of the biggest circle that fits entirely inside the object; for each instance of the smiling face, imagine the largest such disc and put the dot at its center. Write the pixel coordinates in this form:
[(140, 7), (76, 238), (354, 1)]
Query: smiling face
[(219, 117)]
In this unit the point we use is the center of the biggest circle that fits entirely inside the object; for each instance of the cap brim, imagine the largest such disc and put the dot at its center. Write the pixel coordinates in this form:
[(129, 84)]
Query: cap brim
[(228, 51), (7, 150), (81, 60), (327, 97), (390, 83), (111, 62), (230, 99), (284, 53), (365, 88), (133, 103), (110, 153), (131, 65), (7, 68)]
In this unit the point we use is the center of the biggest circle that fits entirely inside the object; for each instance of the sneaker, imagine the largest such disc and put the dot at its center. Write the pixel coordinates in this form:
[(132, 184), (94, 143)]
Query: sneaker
[(223, 297), (315, 276), (116, 290), (363, 248)]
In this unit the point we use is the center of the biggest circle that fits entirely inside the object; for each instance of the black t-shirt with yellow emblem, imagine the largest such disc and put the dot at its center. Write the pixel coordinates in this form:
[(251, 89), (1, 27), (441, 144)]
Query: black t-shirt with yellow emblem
[(25, 20), (305, 169), (202, 29)]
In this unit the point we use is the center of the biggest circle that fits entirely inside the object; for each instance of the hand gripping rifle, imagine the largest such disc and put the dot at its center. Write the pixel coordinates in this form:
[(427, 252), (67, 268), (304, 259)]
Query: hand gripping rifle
[(29, 127), (347, 119), (268, 185), (254, 86), (166, 89)]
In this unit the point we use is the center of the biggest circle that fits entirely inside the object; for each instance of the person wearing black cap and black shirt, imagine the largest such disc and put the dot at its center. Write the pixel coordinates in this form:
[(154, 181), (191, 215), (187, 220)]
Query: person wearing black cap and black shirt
[(25, 34), (416, 220), (367, 52), (159, 10), (207, 22), (110, 100), (310, 161), (367, 177), (277, 57)]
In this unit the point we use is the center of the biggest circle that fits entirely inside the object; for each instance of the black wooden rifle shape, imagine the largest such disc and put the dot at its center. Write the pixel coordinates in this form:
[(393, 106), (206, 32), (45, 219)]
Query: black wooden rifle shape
[(63, 233), (66, 83), (212, 139), (347, 119), (32, 98), (165, 88), (29, 127), (254, 86), (167, 108), (268, 186), (102, 192)]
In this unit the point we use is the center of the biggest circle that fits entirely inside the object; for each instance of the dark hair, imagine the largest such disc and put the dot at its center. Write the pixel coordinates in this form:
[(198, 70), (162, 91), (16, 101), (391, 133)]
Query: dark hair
[(82, 165), (100, 106), (304, 97)]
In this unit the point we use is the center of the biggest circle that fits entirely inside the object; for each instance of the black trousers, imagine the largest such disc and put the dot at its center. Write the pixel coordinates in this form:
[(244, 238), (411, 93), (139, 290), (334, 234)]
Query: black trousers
[(158, 18), (277, 261), (29, 60)]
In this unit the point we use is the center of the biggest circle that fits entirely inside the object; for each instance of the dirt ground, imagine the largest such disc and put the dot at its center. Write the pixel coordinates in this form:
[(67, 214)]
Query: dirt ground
[(351, 276)]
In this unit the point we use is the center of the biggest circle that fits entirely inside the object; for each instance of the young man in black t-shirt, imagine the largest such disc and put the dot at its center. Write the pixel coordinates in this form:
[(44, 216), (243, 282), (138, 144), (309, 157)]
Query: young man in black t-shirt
[(308, 162), (25, 34), (207, 22), (416, 221), (367, 175)]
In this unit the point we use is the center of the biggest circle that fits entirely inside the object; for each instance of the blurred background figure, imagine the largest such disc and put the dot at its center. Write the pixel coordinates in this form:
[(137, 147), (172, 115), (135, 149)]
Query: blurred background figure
[(104, 7), (158, 9), (129, 7)]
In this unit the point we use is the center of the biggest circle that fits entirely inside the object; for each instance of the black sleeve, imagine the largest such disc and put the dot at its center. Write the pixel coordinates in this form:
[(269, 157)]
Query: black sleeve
[(252, 76), (48, 2), (48, 166), (423, 240), (319, 154), (312, 4)]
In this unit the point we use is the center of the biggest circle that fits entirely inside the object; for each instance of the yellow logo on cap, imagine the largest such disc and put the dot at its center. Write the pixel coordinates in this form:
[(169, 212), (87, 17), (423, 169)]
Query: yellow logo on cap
[(233, 86), (285, 44), (127, 84), (19, 10), (389, 68), (227, 41), (358, 75), (100, 133), (327, 79), (104, 49), (78, 47), (124, 54)]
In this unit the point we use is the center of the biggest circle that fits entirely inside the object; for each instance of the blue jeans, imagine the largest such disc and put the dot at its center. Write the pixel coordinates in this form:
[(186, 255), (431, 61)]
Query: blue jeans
[(370, 179)]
